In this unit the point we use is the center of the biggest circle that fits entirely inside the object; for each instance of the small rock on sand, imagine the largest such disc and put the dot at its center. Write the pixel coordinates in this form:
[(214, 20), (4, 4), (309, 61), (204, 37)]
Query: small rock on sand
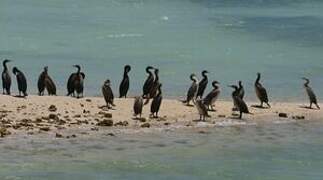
[(298, 117), (121, 123), (283, 115), (52, 108), (145, 125), (4, 132), (58, 135), (105, 122), (44, 128)]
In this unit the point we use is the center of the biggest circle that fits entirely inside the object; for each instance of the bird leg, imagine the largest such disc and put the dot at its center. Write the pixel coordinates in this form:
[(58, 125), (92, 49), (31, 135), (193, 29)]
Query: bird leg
[(240, 116), (318, 107), (268, 105)]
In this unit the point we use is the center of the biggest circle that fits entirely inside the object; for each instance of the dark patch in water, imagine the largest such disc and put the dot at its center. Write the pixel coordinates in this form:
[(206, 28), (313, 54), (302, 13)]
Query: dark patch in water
[(160, 145), (181, 141), (120, 148)]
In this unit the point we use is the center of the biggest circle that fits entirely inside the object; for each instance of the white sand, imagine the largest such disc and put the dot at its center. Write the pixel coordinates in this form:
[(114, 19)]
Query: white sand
[(30, 115)]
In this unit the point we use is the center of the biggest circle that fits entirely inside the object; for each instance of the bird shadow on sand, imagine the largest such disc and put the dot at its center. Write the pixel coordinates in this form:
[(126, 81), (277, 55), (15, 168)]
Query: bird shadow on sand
[(259, 107), (307, 107), (19, 96)]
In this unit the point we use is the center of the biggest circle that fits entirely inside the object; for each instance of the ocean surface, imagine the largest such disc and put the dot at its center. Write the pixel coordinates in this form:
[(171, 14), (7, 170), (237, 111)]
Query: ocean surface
[(284, 151), (233, 39)]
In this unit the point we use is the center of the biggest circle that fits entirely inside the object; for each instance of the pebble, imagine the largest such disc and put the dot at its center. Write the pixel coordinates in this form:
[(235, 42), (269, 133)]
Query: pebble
[(52, 108), (145, 125), (283, 115), (57, 135), (4, 132), (105, 122), (44, 128)]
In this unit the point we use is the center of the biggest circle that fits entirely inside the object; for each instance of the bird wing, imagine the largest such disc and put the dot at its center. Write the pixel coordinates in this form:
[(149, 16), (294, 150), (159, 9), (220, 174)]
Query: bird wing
[(311, 95), (261, 93)]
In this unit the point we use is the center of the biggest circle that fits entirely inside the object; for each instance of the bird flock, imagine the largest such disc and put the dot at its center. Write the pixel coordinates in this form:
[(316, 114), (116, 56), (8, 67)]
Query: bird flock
[(152, 89)]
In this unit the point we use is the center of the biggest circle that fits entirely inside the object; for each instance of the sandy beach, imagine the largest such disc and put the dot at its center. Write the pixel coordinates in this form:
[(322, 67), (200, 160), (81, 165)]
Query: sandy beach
[(67, 117)]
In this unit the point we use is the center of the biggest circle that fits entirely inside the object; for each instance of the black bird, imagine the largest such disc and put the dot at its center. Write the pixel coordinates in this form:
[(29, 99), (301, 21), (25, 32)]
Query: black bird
[(241, 90), (238, 102), (124, 85), (6, 78), (155, 105), (50, 86), (138, 105), (49, 83), (154, 89), (202, 109), (76, 82), (41, 82), (241, 93), (148, 83), (202, 85), (21, 80), (210, 99), (191, 93), (261, 92), (108, 94), (310, 93)]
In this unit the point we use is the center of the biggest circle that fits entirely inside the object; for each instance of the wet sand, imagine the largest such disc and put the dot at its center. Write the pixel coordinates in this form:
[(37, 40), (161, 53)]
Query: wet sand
[(67, 117)]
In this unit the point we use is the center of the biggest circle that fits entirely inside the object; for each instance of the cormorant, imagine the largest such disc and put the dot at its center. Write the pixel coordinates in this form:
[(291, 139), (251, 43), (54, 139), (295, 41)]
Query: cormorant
[(155, 105), (108, 94), (21, 81), (202, 85), (191, 93), (261, 92), (310, 93), (202, 109), (6, 78), (49, 83), (41, 82), (124, 85), (76, 82), (210, 99), (138, 105), (148, 83), (238, 102), (154, 89), (241, 90)]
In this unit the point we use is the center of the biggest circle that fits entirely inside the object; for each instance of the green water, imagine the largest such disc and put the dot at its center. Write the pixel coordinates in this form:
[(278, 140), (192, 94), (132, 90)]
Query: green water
[(285, 151), (233, 39)]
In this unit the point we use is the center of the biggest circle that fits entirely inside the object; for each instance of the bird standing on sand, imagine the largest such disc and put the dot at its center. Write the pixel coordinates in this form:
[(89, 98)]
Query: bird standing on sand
[(191, 93), (202, 109), (124, 85), (46, 82), (310, 93), (154, 88), (21, 81), (202, 85), (76, 82), (6, 78), (155, 105), (241, 90), (108, 94), (238, 102), (261, 92), (137, 106), (210, 99), (148, 83)]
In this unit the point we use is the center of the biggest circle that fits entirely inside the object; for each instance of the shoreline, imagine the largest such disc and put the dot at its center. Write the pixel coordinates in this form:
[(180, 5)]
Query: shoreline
[(67, 117)]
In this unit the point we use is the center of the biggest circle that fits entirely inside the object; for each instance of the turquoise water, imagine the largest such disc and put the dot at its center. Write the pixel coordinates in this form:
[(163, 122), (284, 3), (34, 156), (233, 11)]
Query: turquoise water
[(233, 39), (285, 151)]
